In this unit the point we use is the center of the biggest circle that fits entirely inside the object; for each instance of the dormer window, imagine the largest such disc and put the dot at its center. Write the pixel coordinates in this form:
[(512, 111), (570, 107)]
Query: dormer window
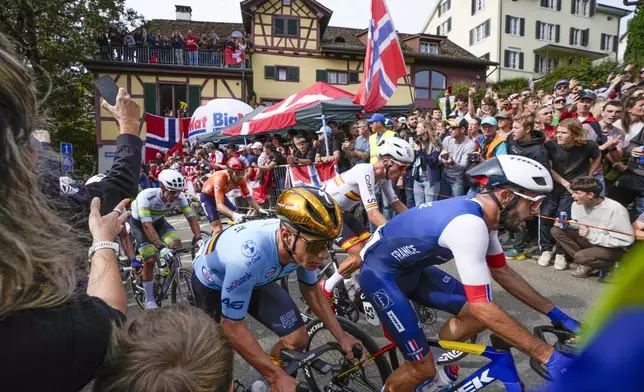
[(429, 47), (289, 27), (339, 40)]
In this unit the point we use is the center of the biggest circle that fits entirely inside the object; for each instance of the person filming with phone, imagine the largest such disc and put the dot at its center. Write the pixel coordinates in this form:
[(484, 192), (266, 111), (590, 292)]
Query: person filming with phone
[(455, 149)]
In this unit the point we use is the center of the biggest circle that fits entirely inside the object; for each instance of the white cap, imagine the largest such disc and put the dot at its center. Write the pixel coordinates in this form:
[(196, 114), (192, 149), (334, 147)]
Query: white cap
[(325, 129), (257, 145), (402, 120)]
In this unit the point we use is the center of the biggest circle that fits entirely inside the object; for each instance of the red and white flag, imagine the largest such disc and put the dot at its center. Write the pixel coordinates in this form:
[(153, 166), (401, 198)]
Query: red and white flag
[(384, 63)]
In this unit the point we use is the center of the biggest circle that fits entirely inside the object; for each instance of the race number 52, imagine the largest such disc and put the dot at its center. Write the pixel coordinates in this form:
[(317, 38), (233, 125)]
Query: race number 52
[(370, 313)]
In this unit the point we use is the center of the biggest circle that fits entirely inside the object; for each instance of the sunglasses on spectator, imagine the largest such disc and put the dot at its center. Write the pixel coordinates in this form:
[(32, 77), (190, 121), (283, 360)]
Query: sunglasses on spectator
[(314, 246), (562, 87), (559, 101), (535, 201)]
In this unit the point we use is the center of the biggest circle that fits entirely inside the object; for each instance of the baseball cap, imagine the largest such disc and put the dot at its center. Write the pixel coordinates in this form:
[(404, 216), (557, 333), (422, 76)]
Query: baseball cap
[(503, 115), (377, 117), (325, 129), (452, 115), (457, 123), (402, 120), (209, 145), (562, 81), (489, 121), (626, 86), (588, 94), (241, 148), (257, 146), (512, 96)]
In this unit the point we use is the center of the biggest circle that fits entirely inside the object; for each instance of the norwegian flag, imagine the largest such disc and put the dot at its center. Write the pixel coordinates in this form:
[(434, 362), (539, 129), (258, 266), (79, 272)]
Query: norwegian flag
[(311, 175), (163, 133), (383, 64)]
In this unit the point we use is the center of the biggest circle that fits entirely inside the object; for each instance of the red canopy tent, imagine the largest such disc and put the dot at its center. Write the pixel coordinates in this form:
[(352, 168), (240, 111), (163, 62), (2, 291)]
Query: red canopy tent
[(284, 113)]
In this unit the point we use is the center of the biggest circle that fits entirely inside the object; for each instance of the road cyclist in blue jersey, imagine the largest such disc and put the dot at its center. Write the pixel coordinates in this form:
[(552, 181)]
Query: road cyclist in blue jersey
[(236, 273), (398, 265), (155, 237)]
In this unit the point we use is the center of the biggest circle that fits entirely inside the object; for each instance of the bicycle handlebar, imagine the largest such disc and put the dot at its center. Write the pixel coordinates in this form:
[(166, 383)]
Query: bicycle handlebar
[(563, 336)]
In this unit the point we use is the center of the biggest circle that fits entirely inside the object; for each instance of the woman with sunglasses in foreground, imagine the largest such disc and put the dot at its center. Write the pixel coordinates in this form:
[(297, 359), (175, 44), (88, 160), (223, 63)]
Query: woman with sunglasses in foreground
[(236, 273)]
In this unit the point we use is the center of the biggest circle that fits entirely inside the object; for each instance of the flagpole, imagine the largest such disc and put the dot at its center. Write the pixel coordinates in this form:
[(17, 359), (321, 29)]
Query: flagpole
[(326, 139)]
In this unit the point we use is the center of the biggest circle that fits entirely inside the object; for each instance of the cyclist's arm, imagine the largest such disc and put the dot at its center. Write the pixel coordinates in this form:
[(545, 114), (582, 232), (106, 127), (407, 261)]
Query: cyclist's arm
[(366, 181), (320, 307), (469, 253), (245, 193), (388, 192), (220, 186), (145, 216), (510, 280)]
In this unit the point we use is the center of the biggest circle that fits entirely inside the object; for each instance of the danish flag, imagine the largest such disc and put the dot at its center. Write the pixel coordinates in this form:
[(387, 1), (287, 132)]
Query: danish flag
[(383, 64)]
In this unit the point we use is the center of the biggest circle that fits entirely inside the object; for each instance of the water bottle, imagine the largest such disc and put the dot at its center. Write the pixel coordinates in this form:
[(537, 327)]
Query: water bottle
[(563, 218), (640, 160), (259, 386), (445, 377)]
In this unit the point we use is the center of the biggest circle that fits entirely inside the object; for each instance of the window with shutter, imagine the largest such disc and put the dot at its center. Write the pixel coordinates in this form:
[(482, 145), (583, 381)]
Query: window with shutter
[(278, 26), (487, 28), (537, 58), (473, 7), (573, 7), (320, 75), (293, 74), (615, 43), (603, 42), (269, 72), (520, 60), (438, 31), (522, 27), (508, 18), (558, 5), (449, 24), (506, 59), (572, 36), (538, 30), (471, 37), (557, 31), (354, 77), (150, 98), (586, 37), (593, 7), (194, 98), (293, 27)]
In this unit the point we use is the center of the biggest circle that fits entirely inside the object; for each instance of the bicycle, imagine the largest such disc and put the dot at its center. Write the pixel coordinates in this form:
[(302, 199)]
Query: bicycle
[(431, 319), (501, 368), (172, 279)]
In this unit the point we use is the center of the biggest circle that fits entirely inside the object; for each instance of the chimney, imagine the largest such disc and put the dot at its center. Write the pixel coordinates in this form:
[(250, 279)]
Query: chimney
[(184, 12)]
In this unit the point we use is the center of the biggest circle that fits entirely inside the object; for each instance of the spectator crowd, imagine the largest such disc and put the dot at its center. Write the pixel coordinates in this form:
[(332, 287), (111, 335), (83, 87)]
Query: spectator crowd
[(74, 330), (180, 48)]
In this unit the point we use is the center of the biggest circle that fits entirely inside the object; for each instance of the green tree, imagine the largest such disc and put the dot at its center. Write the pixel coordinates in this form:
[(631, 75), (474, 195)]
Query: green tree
[(55, 37), (634, 53)]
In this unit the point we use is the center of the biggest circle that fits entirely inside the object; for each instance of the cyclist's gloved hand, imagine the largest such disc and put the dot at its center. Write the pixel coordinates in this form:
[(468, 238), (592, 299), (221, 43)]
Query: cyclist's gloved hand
[(557, 316), (166, 254), (199, 243), (238, 218), (263, 211), (136, 264), (558, 364)]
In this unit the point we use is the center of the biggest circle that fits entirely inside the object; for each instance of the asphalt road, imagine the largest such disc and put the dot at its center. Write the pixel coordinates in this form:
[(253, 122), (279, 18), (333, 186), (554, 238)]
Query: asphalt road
[(572, 295)]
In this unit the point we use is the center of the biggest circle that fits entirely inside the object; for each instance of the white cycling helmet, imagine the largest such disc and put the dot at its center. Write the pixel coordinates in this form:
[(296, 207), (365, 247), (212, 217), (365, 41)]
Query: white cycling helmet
[(95, 178), (512, 171), (398, 149), (172, 180)]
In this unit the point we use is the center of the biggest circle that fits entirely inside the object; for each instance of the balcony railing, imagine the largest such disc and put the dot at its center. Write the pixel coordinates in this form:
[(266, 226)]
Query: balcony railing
[(139, 55)]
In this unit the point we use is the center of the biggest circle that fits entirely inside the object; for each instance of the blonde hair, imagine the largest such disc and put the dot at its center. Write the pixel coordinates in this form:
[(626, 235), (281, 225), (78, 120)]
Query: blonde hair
[(38, 246), (179, 348), (578, 132)]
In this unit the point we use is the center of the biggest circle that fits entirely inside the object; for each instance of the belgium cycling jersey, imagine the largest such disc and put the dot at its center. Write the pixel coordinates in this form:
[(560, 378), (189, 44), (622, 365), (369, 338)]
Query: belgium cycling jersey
[(150, 207), (240, 259), (358, 184)]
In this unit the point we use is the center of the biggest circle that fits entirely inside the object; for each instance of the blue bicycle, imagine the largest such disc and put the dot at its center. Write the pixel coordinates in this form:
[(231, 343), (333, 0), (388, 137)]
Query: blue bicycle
[(329, 371)]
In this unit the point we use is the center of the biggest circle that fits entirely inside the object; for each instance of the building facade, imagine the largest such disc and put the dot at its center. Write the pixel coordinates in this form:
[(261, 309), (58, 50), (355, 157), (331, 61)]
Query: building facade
[(289, 45), (529, 38)]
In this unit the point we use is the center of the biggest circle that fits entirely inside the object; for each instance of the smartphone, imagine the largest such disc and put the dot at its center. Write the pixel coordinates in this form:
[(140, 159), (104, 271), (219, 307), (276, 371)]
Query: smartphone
[(107, 88), (449, 89)]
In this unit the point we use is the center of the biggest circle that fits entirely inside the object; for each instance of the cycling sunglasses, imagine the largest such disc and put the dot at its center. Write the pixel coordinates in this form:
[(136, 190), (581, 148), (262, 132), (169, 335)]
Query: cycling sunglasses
[(313, 246), (535, 201), (402, 166)]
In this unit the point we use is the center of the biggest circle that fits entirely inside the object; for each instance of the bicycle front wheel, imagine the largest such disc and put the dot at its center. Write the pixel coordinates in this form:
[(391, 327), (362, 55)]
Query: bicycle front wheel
[(371, 377), (181, 289)]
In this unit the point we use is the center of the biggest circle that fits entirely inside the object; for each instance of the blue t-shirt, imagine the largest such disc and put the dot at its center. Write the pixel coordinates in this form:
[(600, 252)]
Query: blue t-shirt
[(241, 258), (361, 144)]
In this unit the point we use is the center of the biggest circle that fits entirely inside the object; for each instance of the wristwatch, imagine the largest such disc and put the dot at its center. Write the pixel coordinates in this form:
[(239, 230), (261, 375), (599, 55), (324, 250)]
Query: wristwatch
[(103, 245)]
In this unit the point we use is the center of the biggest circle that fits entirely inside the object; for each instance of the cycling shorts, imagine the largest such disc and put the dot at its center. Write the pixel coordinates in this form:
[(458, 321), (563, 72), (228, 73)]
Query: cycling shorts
[(209, 205), (390, 294), (353, 232), (271, 305), (166, 232)]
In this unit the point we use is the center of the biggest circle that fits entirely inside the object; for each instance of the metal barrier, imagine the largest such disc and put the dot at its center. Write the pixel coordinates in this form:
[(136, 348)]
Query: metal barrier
[(144, 55), (280, 179)]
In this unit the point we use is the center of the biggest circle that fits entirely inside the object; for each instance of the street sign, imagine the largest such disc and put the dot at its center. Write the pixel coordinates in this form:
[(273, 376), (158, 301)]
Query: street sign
[(67, 163), (110, 154), (66, 148)]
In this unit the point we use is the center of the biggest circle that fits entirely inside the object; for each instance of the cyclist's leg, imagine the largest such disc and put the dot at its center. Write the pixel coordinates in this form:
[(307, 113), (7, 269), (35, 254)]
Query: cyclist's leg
[(149, 254), (352, 239), (272, 306), (439, 290), (207, 299), (168, 234), (209, 205), (400, 321)]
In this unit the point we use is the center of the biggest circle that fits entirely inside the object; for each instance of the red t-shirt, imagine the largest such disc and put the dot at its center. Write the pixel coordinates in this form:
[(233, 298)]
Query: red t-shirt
[(191, 43)]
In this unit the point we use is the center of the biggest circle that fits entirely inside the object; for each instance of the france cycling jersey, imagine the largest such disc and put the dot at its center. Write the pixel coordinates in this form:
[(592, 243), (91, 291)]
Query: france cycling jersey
[(240, 259), (413, 242)]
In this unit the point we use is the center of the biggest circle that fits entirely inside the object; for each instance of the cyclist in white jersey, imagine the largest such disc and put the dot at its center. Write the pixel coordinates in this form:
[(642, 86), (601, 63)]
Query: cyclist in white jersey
[(153, 234), (236, 273), (358, 185)]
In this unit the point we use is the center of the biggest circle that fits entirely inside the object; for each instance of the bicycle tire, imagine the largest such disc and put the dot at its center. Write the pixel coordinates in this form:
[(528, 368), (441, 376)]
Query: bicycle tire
[(316, 326), (186, 274), (136, 283)]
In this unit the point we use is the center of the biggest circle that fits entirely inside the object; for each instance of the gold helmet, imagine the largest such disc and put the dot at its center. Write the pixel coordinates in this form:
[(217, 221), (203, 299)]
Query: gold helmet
[(310, 210)]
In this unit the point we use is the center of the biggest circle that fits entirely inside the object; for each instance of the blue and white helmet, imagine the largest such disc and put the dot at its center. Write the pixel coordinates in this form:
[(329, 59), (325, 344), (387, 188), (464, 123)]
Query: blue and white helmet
[(68, 186)]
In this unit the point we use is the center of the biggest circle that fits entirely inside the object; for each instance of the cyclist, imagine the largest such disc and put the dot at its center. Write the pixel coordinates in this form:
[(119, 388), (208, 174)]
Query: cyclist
[(358, 185), (236, 273), (396, 260), (153, 234), (213, 194)]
